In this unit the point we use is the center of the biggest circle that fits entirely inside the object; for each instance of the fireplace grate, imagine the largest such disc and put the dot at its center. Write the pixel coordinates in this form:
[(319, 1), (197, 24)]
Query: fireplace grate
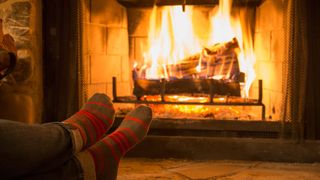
[(136, 100)]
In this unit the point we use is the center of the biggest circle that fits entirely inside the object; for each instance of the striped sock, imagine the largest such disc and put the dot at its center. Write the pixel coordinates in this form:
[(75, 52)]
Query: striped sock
[(92, 121), (106, 154)]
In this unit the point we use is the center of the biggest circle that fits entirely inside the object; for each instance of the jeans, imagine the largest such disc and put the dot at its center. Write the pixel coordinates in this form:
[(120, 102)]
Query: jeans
[(37, 152)]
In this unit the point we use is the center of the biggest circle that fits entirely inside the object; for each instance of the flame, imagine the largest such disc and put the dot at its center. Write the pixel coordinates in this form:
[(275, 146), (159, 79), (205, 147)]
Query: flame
[(224, 28), (171, 38)]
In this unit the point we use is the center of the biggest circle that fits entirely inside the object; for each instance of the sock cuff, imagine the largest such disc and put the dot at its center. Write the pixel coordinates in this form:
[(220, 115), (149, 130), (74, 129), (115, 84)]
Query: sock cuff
[(74, 134), (77, 140), (87, 164)]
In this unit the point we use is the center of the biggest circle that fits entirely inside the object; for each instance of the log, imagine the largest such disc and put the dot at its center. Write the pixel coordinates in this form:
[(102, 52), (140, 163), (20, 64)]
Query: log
[(217, 60), (220, 48), (220, 59), (185, 86)]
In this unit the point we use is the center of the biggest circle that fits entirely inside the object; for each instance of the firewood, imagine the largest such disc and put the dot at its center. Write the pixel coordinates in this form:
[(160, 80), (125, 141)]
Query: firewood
[(185, 86), (220, 58)]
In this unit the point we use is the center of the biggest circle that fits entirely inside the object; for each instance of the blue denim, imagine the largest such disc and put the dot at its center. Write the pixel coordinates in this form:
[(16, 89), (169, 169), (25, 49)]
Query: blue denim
[(37, 151)]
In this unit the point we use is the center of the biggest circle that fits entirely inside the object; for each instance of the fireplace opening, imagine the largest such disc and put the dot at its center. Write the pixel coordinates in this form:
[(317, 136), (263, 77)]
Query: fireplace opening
[(175, 57), (197, 64), (185, 68)]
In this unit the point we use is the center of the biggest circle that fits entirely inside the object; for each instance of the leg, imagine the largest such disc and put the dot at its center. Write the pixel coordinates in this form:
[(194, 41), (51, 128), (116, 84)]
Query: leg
[(101, 160), (39, 148), (24, 148), (70, 170)]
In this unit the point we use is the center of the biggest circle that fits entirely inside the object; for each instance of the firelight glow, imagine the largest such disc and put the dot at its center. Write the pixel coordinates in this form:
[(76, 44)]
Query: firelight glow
[(172, 38)]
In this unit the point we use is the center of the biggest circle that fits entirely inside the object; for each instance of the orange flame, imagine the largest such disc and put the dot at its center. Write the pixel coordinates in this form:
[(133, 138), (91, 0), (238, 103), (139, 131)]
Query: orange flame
[(172, 38), (224, 28)]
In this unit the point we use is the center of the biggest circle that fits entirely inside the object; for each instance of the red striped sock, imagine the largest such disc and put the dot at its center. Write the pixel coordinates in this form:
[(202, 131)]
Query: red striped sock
[(92, 121), (107, 153)]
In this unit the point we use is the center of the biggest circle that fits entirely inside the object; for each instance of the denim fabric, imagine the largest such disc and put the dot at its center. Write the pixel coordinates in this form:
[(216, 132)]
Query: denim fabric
[(36, 151), (71, 170)]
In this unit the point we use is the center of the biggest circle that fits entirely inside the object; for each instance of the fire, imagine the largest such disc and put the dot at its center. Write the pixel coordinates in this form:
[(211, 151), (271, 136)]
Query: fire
[(172, 38), (224, 28)]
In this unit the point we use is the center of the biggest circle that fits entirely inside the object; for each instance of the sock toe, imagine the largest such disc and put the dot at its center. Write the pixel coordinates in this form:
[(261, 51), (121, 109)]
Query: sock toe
[(92, 121)]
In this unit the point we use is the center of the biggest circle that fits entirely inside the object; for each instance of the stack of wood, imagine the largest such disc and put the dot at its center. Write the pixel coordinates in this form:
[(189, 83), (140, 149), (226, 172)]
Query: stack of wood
[(214, 71), (218, 61)]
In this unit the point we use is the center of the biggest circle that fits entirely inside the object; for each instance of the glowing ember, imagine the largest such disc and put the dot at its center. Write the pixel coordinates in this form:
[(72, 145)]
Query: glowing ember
[(203, 112)]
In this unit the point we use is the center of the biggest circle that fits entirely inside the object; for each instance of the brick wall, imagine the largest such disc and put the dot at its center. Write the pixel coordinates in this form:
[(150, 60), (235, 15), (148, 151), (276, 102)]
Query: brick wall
[(106, 50), (269, 48), (21, 94)]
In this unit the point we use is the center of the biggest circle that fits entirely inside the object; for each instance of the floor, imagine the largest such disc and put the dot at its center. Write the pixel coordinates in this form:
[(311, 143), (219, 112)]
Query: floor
[(174, 169)]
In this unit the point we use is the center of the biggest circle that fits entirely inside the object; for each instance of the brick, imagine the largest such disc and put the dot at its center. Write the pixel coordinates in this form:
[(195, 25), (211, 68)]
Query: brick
[(96, 88), (271, 74), (125, 69), (123, 89), (97, 40), (109, 13), (275, 105), (277, 45), (262, 45), (138, 21), (269, 15), (118, 41), (104, 67)]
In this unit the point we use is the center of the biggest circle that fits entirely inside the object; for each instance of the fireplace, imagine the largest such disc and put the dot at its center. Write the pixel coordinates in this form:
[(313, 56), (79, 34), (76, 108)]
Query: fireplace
[(184, 65), (115, 42), (216, 99)]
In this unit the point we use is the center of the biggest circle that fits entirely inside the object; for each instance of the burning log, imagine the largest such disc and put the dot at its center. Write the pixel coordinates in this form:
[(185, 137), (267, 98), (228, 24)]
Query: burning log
[(185, 86), (217, 49), (218, 61), (214, 71)]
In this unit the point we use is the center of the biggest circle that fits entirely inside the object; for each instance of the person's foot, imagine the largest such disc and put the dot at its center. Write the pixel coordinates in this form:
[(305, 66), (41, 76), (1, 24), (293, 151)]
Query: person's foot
[(106, 154), (92, 121)]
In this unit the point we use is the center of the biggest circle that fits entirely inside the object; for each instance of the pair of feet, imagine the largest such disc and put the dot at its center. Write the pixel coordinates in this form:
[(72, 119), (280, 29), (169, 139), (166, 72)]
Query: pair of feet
[(89, 127)]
